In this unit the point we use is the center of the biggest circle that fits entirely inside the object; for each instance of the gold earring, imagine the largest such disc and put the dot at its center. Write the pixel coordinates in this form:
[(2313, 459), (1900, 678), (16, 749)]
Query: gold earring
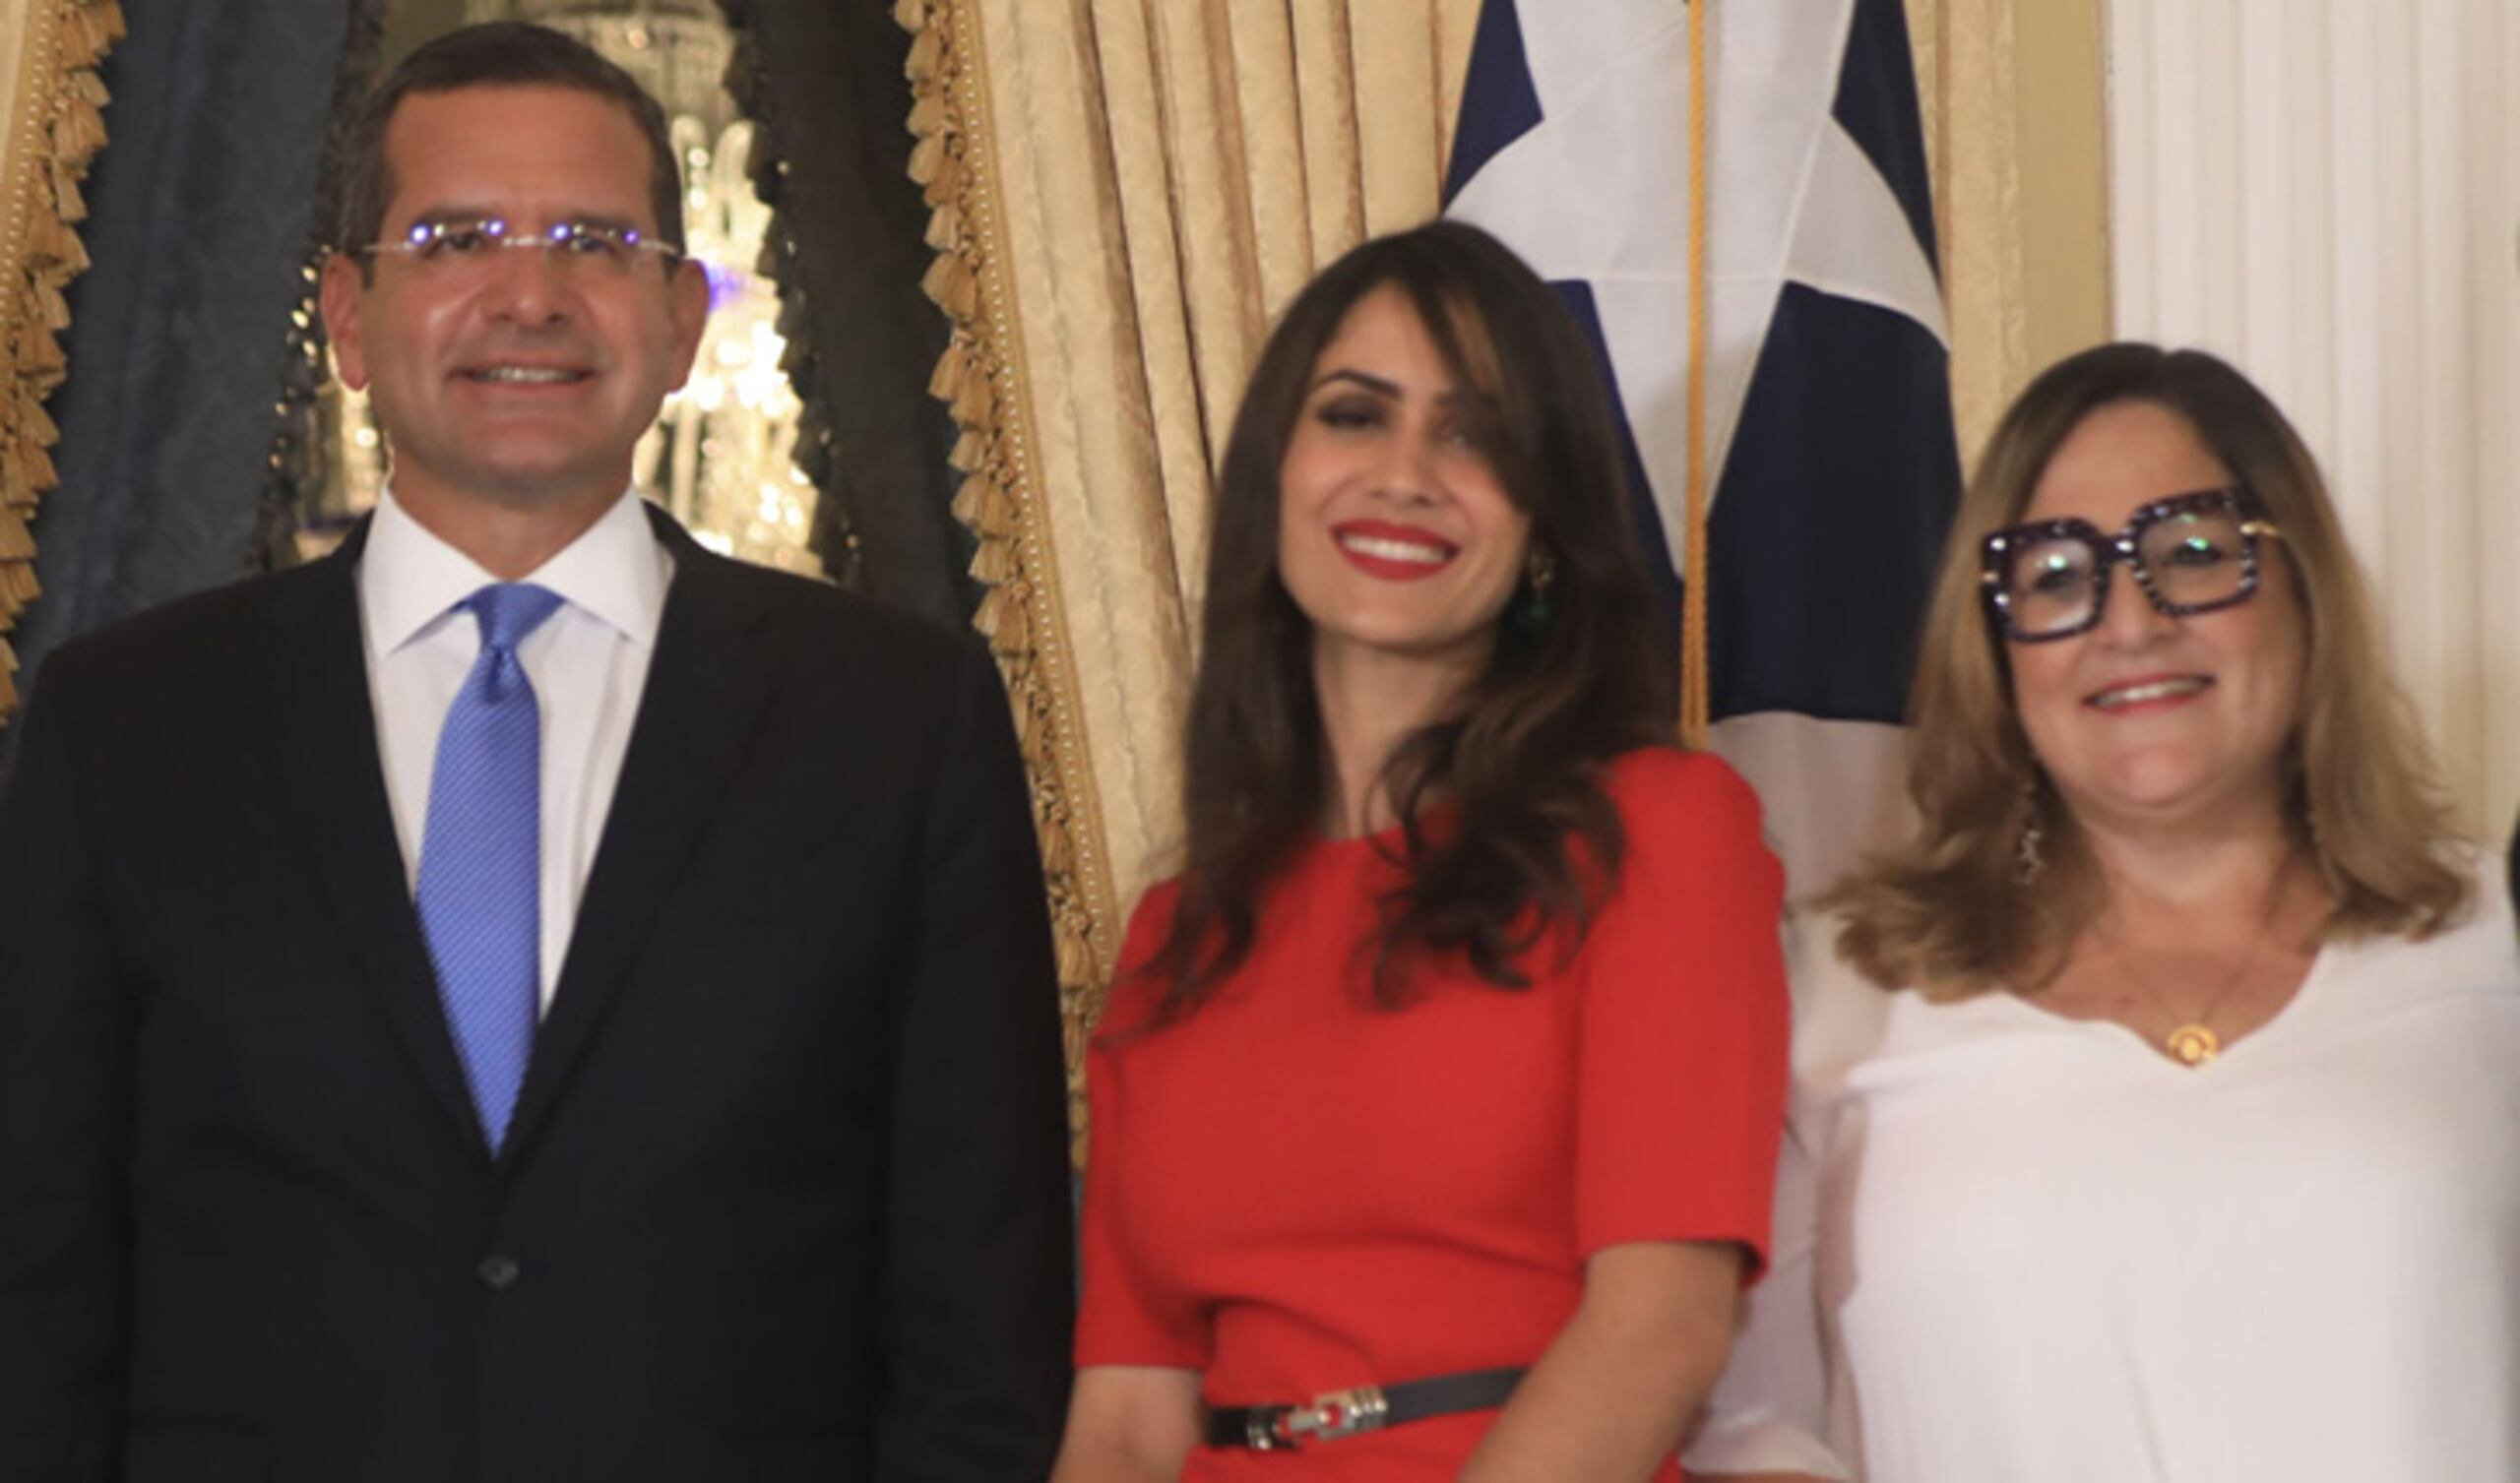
[(2029, 856)]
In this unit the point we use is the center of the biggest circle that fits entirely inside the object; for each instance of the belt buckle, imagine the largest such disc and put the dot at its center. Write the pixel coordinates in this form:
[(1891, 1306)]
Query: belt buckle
[(1331, 1415)]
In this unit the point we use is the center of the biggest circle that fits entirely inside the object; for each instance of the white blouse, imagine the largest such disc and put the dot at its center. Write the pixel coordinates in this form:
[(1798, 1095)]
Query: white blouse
[(2016, 1248)]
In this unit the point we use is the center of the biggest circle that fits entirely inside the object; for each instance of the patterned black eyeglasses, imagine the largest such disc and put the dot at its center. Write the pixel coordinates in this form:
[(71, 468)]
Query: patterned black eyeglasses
[(2190, 553)]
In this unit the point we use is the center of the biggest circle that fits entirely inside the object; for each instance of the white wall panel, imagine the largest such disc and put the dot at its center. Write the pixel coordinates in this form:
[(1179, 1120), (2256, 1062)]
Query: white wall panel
[(2327, 193)]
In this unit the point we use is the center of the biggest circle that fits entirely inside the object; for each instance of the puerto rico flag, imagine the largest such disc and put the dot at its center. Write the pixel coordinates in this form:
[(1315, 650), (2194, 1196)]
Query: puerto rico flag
[(1832, 458)]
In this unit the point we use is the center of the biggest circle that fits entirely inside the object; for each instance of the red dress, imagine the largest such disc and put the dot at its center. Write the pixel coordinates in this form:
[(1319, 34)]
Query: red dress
[(1293, 1191)]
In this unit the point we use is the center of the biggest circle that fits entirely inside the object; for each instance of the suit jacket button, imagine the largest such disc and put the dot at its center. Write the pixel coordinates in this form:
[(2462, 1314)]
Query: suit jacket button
[(498, 1272)]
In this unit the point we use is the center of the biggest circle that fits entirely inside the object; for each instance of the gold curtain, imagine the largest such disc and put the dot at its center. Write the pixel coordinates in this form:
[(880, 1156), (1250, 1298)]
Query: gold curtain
[(2017, 133), (1965, 80), (52, 125), (1125, 192)]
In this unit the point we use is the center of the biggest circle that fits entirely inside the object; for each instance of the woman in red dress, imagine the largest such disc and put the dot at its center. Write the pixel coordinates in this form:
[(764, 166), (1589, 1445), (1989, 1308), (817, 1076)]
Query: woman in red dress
[(1436, 1108)]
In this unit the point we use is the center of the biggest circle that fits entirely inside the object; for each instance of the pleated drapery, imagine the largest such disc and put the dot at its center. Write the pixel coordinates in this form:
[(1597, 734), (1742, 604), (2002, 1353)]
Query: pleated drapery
[(1125, 193), (1964, 82)]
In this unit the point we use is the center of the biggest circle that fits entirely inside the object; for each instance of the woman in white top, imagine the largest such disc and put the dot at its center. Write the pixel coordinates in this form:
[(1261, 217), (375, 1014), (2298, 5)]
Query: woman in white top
[(2157, 1109)]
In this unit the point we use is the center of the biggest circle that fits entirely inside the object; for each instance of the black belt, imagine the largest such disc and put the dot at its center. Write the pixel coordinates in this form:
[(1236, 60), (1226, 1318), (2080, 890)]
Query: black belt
[(1365, 1408)]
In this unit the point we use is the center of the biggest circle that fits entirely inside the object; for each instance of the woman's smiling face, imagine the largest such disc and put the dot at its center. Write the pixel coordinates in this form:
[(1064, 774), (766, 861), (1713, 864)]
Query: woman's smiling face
[(2148, 717), (1395, 531)]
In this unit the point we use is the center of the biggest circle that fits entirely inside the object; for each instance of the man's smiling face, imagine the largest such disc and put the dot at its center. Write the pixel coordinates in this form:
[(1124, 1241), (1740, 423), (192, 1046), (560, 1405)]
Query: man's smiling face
[(522, 376)]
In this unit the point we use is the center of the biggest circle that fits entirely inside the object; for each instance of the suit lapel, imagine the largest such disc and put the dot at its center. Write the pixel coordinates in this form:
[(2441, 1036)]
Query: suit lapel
[(320, 739), (706, 686)]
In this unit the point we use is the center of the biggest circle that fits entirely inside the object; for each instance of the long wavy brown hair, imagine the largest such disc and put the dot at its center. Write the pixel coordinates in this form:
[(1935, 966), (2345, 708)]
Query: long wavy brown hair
[(1947, 912), (1515, 766)]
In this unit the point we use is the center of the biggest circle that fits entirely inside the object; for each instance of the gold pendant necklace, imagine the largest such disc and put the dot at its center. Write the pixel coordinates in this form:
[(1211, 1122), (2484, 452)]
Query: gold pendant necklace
[(2195, 1043)]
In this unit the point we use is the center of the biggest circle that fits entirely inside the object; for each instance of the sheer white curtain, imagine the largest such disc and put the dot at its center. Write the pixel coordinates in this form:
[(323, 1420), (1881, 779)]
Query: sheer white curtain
[(2327, 193)]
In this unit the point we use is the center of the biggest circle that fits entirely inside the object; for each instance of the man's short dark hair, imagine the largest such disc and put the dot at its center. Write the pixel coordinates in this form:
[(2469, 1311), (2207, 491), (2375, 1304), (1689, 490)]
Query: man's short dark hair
[(498, 54)]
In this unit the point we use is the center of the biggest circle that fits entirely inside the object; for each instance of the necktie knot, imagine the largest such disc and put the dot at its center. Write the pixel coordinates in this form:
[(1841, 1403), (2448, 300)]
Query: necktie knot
[(508, 610)]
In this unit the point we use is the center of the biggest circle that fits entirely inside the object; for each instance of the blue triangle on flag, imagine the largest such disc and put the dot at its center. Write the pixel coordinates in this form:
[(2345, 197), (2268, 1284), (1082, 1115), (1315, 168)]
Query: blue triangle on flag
[(1835, 500), (1655, 546), (1501, 80)]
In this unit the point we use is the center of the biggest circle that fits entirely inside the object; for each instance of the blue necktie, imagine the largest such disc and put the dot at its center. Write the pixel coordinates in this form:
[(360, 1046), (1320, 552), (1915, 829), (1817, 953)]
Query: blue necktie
[(480, 894)]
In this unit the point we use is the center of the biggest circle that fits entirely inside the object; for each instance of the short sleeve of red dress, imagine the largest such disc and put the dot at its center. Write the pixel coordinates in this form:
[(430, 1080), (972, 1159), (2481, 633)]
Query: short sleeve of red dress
[(1123, 1319), (1681, 1041)]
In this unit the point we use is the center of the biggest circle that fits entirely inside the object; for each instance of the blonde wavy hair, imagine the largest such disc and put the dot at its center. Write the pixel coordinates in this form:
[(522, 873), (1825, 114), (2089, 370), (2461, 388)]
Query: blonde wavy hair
[(1948, 912)]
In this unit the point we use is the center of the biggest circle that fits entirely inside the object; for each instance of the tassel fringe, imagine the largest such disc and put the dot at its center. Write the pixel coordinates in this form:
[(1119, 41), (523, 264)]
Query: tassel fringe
[(70, 125), (948, 161)]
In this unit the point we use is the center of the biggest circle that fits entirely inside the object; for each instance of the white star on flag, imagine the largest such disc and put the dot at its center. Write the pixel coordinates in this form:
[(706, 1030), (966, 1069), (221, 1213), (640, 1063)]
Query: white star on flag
[(1599, 192)]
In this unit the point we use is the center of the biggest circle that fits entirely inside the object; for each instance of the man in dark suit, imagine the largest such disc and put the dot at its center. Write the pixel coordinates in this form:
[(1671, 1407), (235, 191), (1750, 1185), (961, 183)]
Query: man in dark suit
[(524, 998)]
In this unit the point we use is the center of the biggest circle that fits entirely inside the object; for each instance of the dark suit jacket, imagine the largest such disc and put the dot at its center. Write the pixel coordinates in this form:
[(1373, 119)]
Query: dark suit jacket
[(786, 1192)]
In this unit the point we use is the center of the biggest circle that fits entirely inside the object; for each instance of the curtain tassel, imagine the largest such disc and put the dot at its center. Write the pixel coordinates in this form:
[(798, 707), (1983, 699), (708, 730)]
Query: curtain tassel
[(46, 304), (927, 116), (56, 244), (994, 561), (1000, 619), (34, 424), (926, 55), (1075, 958), (38, 352), (976, 401), (35, 466), (926, 157), (80, 131), (982, 506), (945, 382), (977, 505), (67, 201)]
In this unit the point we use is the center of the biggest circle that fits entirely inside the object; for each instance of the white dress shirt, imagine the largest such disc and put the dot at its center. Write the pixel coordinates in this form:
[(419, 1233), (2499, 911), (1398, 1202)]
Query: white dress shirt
[(2017, 1248), (587, 663)]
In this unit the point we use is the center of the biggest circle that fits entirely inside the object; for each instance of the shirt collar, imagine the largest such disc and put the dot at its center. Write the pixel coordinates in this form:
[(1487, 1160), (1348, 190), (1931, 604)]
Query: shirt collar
[(410, 580)]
